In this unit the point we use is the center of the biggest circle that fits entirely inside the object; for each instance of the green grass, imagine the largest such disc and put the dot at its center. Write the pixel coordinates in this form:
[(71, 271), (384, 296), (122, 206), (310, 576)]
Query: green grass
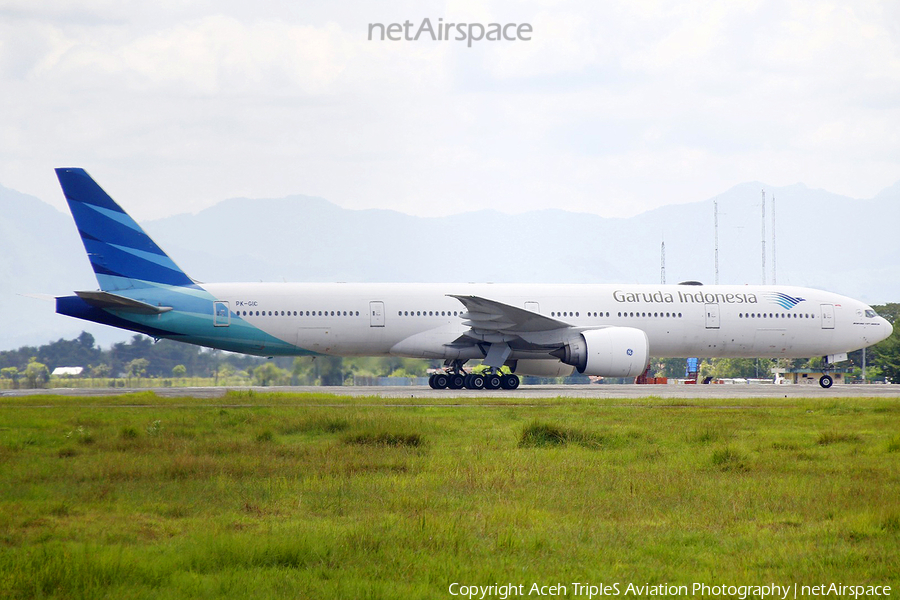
[(539, 434), (369, 438), (315, 496)]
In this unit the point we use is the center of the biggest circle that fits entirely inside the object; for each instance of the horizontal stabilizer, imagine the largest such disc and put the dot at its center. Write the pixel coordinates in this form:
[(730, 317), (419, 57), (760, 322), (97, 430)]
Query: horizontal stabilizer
[(116, 302)]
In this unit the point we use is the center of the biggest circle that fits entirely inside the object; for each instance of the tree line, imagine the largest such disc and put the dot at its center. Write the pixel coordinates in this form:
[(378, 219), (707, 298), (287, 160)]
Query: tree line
[(141, 358)]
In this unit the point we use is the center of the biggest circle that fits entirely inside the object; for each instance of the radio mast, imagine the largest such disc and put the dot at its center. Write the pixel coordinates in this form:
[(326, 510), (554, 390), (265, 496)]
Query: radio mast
[(716, 226), (662, 263), (764, 237), (774, 272)]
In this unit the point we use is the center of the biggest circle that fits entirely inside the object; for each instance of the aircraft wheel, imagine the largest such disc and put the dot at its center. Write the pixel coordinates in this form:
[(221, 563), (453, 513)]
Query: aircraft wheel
[(441, 381), (826, 381), (474, 381), (431, 381), (493, 382), (510, 382), (456, 382)]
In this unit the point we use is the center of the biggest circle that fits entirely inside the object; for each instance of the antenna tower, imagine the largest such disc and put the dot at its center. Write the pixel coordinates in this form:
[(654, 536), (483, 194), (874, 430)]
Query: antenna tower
[(774, 272), (764, 237), (716, 228), (662, 263)]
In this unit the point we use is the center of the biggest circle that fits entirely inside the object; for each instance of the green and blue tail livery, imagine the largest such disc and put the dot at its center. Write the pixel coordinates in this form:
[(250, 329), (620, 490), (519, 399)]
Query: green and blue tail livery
[(141, 287)]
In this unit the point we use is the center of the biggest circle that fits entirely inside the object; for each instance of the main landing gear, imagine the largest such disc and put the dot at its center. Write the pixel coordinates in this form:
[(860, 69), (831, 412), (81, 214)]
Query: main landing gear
[(455, 378)]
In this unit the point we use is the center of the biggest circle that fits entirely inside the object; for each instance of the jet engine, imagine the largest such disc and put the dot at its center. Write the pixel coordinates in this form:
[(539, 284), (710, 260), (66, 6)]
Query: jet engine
[(609, 352)]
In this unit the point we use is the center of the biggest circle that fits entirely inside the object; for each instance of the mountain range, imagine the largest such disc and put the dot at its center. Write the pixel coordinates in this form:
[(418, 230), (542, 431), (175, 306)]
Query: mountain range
[(821, 240)]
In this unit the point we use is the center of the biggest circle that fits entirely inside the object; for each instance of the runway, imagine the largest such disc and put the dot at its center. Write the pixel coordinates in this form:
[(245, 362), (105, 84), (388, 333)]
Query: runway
[(735, 391)]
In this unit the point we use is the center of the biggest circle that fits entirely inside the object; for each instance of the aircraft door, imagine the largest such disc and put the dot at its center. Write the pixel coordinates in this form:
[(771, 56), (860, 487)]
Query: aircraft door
[(533, 307), (712, 316), (828, 316), (376, 314), (221, 314)]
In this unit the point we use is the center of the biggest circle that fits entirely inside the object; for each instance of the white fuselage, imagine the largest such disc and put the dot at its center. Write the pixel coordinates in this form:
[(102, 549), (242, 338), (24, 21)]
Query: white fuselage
[(421, 320)]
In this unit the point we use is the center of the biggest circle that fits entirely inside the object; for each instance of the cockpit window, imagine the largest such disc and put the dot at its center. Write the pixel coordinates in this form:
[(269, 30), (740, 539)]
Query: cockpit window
[(870, 313)]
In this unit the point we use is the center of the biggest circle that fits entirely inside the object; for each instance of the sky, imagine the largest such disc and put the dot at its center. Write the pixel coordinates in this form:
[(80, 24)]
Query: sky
[(612, 107)]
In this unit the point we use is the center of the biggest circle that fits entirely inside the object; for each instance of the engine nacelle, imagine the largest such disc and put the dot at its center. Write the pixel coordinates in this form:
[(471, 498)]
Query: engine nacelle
[(610, 352), (542, 367)]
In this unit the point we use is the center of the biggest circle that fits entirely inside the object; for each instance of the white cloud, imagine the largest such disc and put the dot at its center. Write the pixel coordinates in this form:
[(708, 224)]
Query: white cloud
[(564, 42), (214, 55), (613, 107)]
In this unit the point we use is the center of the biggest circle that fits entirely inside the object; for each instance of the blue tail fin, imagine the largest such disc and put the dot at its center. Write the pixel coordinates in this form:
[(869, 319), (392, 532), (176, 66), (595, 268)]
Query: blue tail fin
[(122, 254)]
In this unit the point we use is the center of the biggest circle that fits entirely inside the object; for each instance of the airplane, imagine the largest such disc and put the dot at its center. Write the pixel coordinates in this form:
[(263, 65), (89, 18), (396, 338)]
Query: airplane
[(607, 330)]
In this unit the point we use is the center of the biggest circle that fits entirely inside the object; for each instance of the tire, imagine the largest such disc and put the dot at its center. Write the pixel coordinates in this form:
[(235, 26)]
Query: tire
[(474, 381), (441, 381), (456, 382), (431, 381), (493, 382), (510, 382), (826, 381)]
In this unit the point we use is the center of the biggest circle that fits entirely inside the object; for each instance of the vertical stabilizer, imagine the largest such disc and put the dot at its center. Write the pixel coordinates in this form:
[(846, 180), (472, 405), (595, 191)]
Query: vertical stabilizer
[(122, 255)]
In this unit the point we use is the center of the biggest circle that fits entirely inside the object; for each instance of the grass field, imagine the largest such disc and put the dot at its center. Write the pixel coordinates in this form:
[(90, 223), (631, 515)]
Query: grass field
[(313, 496)]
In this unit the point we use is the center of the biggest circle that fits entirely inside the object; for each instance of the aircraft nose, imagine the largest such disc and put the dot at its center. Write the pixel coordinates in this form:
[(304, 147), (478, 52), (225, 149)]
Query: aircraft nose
[(888, 329)]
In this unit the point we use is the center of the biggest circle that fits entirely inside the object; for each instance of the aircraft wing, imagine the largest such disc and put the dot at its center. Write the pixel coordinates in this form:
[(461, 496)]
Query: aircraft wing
[(496, 322)]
